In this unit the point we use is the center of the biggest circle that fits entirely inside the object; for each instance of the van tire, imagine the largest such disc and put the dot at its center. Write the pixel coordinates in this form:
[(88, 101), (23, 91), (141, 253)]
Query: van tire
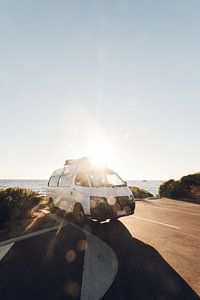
[(52, 208), (78, 215)]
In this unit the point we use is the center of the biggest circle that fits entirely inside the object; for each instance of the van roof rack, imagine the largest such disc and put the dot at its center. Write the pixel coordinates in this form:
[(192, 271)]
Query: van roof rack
[(76, 161)]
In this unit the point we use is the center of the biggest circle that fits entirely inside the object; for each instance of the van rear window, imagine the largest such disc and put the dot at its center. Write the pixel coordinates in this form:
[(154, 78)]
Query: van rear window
[(53, 181)]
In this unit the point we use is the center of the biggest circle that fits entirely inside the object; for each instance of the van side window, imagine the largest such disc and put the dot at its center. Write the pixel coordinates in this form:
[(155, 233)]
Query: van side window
[(81, 179), (53, 181), (65, 180)]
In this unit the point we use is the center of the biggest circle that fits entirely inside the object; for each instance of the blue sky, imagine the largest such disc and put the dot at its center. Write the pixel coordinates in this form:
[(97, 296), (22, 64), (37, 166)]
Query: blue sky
[(121, 75)]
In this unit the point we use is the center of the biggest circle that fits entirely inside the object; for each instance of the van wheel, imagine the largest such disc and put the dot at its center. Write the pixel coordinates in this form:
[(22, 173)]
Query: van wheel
[(78, 215), (52, 208)]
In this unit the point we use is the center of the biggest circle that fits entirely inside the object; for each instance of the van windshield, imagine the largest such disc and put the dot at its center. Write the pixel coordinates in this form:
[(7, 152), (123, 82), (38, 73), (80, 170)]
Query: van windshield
[(105, 178)]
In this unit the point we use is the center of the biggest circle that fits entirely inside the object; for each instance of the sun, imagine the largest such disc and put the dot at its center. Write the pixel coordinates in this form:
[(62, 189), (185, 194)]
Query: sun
[(101, 152)]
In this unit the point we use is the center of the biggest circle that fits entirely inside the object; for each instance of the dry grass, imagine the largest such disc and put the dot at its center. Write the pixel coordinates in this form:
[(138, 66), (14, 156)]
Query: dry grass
[(39, 219)]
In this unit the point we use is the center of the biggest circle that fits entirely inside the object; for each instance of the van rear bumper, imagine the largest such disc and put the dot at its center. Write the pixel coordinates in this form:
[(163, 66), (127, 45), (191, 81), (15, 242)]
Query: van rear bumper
[(105, 211)]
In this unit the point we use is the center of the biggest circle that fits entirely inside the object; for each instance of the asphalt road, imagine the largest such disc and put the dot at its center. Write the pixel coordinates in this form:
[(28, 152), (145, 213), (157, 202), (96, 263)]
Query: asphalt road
[(154, 254), (172, 228)]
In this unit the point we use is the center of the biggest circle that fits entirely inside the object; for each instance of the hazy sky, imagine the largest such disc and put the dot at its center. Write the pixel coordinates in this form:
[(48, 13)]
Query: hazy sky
[(118, 78)]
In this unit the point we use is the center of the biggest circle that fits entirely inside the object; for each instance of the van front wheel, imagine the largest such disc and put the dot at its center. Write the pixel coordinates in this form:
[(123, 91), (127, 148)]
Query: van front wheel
[(51, 206), (78, 215)]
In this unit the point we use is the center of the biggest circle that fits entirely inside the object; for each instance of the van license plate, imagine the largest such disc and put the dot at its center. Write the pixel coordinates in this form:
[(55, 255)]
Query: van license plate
[(121, 213)]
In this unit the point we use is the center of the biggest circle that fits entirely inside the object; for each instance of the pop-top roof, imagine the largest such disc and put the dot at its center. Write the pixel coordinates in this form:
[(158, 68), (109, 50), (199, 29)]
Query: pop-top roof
[(77, 161)]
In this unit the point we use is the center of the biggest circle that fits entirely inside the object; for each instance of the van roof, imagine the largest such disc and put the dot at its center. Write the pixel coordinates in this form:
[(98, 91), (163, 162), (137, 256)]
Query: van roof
[(77, 161), (80, 161)]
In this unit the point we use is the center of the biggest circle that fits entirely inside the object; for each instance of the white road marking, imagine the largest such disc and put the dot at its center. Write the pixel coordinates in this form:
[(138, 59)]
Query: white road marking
[(4, 250), (179, 211), (100, 265), (99, 269), (28, 235), (164, 224)]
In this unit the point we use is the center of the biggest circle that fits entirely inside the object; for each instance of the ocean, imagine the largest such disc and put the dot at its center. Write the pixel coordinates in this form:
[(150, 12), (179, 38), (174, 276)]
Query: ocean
[(40, 185)]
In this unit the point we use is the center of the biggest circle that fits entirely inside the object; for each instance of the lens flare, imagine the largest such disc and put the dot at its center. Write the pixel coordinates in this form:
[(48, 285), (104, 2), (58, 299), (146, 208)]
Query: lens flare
[(100, 152)]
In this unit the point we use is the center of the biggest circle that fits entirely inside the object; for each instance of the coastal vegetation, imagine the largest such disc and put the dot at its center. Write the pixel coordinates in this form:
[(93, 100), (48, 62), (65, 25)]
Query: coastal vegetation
[(140, 193), (188, 187), (17, 203)]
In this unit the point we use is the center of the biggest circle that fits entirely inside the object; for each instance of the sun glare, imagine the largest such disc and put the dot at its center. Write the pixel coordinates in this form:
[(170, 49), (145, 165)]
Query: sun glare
[(101, 152)]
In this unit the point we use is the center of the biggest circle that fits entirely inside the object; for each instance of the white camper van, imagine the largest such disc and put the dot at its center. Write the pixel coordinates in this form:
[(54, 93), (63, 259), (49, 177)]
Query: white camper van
[(85, 190)]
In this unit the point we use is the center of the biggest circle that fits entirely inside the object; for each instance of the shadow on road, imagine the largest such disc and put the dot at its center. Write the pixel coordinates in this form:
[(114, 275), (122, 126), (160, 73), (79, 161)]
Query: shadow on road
[(50, 266), (143, 273)]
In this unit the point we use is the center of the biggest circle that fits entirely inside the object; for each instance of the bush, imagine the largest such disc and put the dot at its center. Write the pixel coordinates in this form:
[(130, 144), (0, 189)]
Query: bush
[(140, 193), (187, 187), (170, 189), (190, 180), (17, 203)]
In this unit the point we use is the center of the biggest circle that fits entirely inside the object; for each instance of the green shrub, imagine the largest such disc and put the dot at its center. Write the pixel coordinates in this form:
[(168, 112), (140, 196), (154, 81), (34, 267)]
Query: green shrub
[(170, 189), (17, 203), (140, 193), (187, 187), (189, 180)]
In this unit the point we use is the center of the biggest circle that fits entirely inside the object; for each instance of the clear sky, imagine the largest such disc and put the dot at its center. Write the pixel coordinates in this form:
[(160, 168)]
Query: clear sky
[(108, 78)]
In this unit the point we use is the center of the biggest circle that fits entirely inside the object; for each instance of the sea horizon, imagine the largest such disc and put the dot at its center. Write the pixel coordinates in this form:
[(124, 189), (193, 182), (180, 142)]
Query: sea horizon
[(40, 185)]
